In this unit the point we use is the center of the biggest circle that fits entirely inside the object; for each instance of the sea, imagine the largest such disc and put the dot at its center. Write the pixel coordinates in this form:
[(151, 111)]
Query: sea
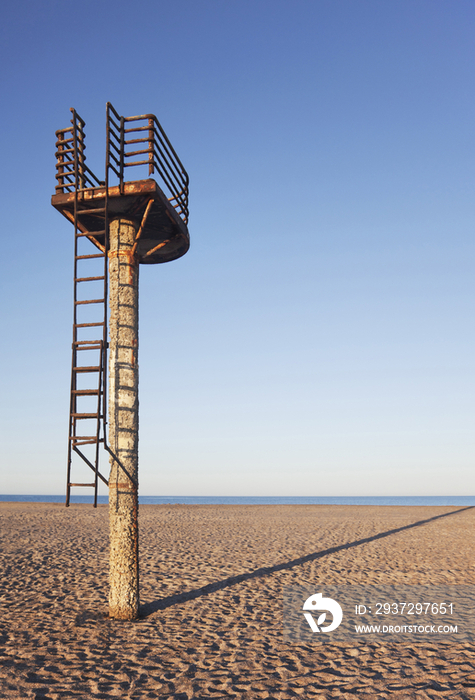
[(261, 500)]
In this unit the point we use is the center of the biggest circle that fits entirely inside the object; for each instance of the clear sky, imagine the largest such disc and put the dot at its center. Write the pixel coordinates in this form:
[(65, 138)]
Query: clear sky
[(318, 338)]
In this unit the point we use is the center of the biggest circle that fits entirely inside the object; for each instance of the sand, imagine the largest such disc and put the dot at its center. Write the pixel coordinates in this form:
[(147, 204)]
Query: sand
[(211, 595)]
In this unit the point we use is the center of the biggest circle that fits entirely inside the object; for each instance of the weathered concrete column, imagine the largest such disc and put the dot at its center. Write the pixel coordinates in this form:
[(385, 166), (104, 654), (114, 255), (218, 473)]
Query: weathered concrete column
[(123, 422)]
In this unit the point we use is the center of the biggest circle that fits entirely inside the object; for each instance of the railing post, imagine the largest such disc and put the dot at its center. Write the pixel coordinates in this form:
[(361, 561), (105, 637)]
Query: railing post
[(81, 156), (151, 146), (122, 154)]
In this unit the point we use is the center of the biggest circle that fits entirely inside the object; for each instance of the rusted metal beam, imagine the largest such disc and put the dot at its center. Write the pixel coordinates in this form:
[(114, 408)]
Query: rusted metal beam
[(157, 247), (142, 224)]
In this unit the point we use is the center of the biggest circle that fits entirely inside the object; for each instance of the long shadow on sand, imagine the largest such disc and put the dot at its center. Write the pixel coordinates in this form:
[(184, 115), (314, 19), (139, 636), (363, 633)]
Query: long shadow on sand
[(150, 608)]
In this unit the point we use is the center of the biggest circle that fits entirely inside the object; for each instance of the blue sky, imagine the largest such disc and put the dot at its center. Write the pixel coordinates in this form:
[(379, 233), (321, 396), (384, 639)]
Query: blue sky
[(318, 338)]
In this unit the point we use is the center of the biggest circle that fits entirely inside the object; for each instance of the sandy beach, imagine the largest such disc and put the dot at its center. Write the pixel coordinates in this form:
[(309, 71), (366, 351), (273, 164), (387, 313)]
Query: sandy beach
[(211, 602)]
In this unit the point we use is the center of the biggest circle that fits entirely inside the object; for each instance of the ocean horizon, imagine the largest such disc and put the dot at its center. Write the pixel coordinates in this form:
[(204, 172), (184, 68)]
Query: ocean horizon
[(258, 500)]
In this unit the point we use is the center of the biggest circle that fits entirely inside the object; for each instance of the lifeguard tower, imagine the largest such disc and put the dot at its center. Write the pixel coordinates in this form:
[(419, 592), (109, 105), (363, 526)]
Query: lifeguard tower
[(118, 224)]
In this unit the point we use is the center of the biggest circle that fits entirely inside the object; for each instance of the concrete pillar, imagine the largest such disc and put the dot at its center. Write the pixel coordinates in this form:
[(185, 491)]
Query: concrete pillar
[(123, 422)]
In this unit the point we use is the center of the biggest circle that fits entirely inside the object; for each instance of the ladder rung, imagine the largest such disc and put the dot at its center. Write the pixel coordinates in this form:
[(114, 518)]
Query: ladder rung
[(84, 441), (89, 347), (88, 279), (86, 369), (87, 342), (88, 257), (88, 325), (86, 392), (100, 210), (93, 484), (84, 415), (91, 301), (90, 233), (90, 438)]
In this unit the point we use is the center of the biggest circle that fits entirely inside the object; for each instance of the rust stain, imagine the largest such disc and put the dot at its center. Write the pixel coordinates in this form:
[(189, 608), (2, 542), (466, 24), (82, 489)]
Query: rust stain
[(131, 261), (124, 253), (123, 486)]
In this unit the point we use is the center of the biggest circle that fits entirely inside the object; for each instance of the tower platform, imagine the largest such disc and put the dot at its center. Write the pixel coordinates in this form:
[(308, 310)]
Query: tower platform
[(162, 226)]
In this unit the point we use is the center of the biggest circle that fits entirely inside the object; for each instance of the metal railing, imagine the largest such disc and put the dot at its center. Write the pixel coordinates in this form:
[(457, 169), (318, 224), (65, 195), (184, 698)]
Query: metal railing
[(72, 172), (157, 153)]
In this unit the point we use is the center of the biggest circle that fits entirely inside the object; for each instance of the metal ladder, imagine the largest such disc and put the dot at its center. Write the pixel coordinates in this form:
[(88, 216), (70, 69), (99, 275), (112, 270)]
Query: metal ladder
[(88, 377)]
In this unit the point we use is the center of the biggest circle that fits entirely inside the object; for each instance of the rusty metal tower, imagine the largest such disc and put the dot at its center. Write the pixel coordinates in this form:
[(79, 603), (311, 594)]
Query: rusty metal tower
[(118, 224)]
